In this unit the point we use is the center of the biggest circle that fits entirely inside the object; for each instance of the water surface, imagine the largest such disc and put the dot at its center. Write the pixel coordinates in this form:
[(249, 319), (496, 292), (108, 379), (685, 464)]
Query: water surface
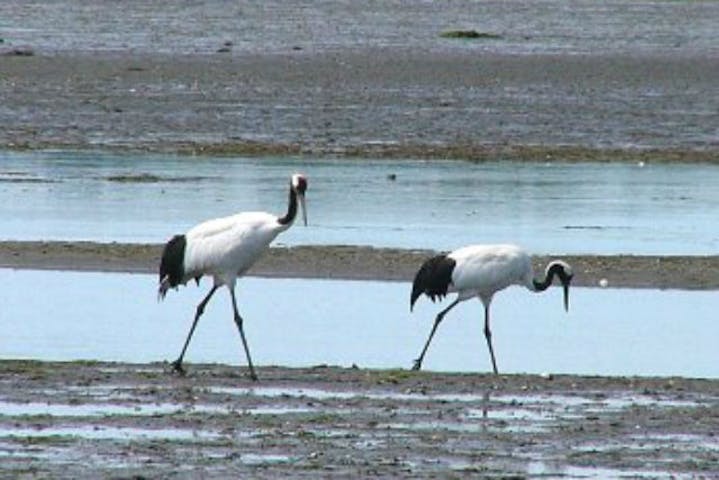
[(521, 26), (291, 322), (553, 207)]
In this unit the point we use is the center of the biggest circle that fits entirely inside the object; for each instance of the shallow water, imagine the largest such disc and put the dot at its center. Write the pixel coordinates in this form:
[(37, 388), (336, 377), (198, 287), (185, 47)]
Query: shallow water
[(109, 433), (546, 469), (524, 27), (311, 322), (549, 208)]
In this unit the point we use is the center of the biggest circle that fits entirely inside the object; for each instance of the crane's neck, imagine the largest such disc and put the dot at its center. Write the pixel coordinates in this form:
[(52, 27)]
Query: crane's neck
[(289, 217), (554, 269), (540, 286)]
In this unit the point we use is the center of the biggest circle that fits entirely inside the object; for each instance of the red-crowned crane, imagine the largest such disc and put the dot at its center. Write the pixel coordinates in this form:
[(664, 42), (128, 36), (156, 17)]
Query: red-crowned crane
[(225, 248), (481, 271)]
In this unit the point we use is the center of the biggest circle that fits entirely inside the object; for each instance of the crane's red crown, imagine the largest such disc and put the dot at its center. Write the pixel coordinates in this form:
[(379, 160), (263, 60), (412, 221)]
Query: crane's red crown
[(299, 183)]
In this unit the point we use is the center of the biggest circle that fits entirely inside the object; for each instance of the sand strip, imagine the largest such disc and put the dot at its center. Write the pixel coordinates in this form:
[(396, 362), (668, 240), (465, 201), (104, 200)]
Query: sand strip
[(362, 263)]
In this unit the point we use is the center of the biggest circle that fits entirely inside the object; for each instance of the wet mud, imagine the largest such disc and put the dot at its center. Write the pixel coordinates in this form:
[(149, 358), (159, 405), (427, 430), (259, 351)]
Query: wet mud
[(111, 420), (488, 107), (589, 82)]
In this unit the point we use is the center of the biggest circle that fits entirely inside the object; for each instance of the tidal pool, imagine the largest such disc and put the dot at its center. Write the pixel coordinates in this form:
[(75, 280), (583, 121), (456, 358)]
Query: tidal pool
[(52, 315)]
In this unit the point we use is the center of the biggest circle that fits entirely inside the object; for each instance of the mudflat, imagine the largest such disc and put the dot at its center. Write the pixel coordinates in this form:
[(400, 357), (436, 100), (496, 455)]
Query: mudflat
[(95, 419), (352, 262), (537, 82), (367, 103)]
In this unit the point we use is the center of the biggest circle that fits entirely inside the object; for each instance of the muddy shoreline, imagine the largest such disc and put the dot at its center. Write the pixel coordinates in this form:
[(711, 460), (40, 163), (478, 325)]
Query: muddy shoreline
[(98, 419), (362, 263)]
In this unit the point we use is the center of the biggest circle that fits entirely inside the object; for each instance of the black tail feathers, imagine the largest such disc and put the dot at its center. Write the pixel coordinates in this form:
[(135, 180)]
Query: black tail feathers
[(172, 268), (433, 278)]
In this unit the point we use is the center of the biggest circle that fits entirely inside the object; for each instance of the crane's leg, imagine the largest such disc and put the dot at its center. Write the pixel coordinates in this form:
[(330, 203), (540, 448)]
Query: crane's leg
[(177, 364), (238, 322), (418, 362), (488, 336)]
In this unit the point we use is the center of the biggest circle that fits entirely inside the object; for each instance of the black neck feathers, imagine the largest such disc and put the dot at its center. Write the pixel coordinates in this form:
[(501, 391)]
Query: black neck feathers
[(552, 270), (289, 217), (433, 278)]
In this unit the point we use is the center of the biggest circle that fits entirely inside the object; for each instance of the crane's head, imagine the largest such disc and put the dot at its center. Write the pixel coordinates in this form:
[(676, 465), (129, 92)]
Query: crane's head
[(299, 186), (564, 272)]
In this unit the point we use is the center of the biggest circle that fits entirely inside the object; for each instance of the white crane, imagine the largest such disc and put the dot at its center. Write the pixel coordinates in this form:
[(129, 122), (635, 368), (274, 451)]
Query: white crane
[(225, 248), (481, 271)]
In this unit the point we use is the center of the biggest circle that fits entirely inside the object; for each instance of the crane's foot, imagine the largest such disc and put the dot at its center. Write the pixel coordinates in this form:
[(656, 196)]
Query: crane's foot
[(177, 367), (417, 365), (252, 374)]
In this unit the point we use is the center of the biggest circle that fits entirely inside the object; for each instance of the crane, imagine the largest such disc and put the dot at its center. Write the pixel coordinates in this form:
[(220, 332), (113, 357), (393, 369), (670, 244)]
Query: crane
[(225, 248), (481, 271)]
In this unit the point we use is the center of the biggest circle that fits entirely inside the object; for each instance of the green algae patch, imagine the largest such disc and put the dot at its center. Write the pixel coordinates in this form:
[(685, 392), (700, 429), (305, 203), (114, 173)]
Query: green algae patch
[(392, 377), (470, 35)]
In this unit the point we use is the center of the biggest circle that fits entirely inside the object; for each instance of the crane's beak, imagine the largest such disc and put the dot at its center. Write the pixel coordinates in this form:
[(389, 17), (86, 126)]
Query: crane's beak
[(566, 297), (565, 285), (301, 196)]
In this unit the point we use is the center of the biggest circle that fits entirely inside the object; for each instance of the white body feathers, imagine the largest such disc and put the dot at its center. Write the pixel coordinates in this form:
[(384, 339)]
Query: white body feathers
[(482, 270), (226, 248)]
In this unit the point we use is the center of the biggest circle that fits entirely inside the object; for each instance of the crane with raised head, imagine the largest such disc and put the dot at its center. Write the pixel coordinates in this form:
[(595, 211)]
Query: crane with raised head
[(225, 248)]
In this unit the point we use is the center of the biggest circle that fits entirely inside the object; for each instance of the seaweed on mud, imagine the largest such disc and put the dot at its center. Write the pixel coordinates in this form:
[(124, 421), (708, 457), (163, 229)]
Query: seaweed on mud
[(239, 147), (394, 377), (323, 419), (18, 177), (149, 178), (469, 34), (37, 440), (18, 51), (33, 368), (133, 178)]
